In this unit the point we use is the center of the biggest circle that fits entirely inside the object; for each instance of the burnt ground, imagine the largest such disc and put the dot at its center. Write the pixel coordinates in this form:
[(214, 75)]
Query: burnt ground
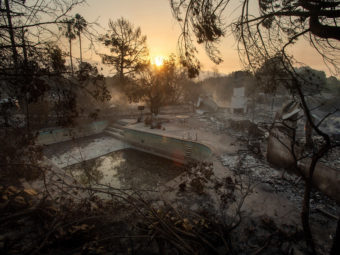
[(33, 223)]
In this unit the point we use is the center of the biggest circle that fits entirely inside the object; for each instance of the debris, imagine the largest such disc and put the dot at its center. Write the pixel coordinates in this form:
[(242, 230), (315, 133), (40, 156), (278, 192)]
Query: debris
[(326, 213), (259, 171)]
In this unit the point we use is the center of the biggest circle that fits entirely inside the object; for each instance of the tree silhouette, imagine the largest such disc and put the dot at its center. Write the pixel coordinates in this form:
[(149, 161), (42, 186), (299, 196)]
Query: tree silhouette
[(80, 25), (70, 34), (262, 32), (158, 86), (127, 45), (56, 58)]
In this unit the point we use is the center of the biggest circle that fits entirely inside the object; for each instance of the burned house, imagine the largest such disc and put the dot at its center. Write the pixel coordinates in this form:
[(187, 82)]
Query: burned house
[(206, 104), (239, 101)]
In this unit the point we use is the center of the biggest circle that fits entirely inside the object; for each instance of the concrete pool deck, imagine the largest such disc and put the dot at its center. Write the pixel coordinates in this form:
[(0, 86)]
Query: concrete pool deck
[(189, 128)]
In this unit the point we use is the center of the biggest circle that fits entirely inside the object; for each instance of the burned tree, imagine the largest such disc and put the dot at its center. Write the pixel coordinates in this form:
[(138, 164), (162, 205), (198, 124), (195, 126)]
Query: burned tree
[(261, 30)]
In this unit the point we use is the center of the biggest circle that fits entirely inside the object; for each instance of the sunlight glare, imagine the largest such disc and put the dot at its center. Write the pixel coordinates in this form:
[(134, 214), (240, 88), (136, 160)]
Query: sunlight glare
[(159, 60)]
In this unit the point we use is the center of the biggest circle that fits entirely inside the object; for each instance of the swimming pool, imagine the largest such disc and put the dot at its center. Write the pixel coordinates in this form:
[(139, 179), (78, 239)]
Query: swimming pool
[(126, 169)]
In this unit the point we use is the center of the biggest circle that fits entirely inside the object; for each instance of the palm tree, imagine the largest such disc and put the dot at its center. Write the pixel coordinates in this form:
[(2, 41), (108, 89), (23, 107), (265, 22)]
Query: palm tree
[(69, 33), (79, 25)]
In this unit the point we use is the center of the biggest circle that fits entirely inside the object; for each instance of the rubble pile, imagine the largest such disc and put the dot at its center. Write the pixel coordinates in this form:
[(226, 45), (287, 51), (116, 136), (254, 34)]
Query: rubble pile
[(263, 236), (213, 124), (274, 180), (237, 128)]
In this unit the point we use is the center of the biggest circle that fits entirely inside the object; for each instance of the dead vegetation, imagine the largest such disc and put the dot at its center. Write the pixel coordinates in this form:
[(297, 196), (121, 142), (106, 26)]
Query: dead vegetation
[(131, 222)]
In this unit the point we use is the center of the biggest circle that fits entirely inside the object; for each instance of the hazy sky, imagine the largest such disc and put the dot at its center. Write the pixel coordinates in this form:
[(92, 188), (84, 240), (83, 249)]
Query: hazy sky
[(157, 23)]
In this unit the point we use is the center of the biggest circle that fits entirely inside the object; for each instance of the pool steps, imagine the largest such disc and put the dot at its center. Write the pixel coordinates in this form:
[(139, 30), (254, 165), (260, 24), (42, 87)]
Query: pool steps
[(115, 131)]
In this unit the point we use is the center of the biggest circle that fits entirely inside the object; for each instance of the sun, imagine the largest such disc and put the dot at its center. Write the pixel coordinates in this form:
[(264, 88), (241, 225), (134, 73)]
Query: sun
[(158, 61)]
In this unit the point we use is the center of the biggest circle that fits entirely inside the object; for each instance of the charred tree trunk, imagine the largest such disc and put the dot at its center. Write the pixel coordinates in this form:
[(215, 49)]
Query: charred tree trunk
[(305, 215), (317, 154), (121, 67), (308, 135), (80, 50), (71, 62)]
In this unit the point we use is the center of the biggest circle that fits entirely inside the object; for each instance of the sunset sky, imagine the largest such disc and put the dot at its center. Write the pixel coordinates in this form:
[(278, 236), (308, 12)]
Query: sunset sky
[(162, 30)]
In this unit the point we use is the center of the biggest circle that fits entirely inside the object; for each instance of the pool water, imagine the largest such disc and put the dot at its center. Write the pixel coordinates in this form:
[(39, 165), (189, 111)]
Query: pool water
[(126, 169)]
